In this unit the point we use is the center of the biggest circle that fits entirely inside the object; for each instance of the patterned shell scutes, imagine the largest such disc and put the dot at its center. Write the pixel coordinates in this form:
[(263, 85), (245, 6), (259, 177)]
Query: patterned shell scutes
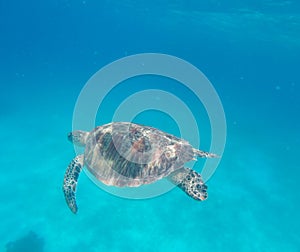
[(127, 154)]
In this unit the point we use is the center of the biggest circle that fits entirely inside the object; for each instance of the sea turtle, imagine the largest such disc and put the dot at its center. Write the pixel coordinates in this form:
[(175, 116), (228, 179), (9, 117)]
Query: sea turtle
[(127, 154)]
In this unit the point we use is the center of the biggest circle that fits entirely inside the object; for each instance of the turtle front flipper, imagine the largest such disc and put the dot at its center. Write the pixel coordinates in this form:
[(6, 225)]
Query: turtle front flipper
[(190, 182), (70, 182)]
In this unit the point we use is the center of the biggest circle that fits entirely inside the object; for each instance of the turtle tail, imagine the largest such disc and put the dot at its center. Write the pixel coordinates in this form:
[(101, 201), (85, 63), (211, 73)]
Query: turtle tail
[(70, 182), (190, 182)]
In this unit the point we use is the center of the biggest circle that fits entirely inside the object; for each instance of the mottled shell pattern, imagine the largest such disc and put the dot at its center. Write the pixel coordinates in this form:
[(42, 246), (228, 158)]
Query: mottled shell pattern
[(128, 154)]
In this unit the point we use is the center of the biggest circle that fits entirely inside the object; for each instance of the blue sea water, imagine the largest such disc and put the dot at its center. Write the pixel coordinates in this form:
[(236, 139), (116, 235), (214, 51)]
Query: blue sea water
[(249, 50)]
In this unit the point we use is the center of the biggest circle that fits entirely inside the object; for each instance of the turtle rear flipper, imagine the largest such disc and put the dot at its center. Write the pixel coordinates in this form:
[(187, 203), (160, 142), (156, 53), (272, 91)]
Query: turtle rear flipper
[(70, 182), (204, 154), (190, 182)]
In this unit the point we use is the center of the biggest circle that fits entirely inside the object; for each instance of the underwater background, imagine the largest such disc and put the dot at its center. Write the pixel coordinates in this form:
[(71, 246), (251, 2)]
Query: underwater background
[(249, 50)]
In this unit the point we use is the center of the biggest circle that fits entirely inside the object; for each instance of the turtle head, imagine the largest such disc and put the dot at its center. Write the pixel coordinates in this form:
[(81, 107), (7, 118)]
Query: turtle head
[(78, 137)]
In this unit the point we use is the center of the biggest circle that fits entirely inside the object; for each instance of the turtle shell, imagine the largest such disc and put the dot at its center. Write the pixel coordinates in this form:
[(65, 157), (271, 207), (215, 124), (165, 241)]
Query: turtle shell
[(128, 154)]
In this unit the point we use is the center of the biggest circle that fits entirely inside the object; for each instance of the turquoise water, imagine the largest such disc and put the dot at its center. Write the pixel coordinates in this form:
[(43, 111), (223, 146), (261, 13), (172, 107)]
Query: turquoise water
[(249, 50)]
